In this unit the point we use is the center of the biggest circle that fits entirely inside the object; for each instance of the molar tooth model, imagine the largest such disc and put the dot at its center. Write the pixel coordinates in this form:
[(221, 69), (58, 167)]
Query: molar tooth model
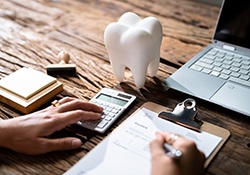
[(134, 43)]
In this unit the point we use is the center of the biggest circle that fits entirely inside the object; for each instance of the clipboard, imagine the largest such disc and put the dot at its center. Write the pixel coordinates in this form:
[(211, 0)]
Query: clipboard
[(205, 126), (105, 158)]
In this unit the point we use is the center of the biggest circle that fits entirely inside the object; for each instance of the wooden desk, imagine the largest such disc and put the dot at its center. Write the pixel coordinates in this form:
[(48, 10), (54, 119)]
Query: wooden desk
[(33, 32)]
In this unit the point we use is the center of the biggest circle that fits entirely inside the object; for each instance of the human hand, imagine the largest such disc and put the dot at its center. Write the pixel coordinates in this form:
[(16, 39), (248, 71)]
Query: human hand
[(28, 134), (190, 163)]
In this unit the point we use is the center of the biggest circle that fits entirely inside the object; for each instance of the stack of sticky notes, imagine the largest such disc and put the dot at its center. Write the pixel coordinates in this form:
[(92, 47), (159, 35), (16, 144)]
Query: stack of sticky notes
[(27, 89)]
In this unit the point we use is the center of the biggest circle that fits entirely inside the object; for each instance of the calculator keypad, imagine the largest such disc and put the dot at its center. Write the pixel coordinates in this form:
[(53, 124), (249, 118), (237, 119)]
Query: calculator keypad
[(110, 112)]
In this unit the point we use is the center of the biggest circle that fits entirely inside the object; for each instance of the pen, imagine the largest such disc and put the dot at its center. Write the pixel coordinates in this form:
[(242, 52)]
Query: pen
[(171, 151)]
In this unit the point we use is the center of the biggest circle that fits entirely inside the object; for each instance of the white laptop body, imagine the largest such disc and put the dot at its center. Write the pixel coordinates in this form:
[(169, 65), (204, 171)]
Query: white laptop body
[(207, 78)]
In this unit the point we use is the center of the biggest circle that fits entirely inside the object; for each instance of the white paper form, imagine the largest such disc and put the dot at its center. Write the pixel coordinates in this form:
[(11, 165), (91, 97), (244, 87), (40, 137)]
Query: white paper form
[(126, 151)]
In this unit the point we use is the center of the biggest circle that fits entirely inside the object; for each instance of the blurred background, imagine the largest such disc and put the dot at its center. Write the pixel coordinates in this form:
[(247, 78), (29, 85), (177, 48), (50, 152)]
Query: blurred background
[(212, 2)]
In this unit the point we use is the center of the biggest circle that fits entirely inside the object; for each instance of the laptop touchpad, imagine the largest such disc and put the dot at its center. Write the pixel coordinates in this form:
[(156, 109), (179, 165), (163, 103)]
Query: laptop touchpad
[(234, 97)]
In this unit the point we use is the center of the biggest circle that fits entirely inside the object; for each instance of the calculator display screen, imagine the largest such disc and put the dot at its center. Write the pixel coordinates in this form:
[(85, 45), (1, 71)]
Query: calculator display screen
[(112, 99)]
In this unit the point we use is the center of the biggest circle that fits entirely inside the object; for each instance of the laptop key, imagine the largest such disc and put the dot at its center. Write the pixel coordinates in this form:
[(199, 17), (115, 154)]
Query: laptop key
[(235, 74), (212, 52), (214, 73), (202, 64), (246, 67), (206, 71), (216, 63), (244, 77), (243, 71), (245, 58), (224, 76), (237, 60), (225, 71), (206, 60), (227, 62), (217, 69), (196, 67), (236, 64), (246, 62), (211, 57), (235, 69), (220, 54), (225, 66), (240, 81), (229, 58)]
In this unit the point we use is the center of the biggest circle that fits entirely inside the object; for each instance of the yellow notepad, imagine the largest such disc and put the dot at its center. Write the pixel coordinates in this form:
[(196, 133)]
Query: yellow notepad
[(27, 89), (26, 82)]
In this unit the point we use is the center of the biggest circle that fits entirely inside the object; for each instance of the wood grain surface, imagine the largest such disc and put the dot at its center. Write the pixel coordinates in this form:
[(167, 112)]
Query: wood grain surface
[(33, 32)]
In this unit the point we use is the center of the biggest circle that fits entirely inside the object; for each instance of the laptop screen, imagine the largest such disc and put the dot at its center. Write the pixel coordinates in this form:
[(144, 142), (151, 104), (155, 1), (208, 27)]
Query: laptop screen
[(233, 26)]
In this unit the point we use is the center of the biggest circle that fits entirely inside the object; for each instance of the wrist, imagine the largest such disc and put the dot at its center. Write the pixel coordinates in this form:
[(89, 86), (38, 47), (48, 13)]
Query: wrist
[(3, 133)]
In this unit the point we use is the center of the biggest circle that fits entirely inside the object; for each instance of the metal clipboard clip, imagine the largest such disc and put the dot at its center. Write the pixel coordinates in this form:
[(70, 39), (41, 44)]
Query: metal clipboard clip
[(184, 114)]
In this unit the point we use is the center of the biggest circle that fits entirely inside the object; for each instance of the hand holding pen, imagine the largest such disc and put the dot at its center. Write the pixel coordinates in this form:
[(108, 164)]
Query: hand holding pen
[(174, 154), (169, 149)]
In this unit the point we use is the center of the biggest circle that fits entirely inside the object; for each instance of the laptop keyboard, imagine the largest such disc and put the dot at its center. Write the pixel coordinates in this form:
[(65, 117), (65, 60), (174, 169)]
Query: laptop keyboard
[(226, 65)]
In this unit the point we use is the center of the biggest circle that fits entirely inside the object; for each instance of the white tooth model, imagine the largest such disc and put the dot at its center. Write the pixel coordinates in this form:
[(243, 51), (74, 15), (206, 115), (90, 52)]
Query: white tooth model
[(134, 43)]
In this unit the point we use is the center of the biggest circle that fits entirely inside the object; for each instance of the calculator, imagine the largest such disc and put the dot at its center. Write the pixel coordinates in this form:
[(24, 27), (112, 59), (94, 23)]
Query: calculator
[(114, 103)]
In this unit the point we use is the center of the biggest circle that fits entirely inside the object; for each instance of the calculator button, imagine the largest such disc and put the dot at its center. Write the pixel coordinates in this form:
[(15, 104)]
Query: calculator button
[(87, 122), (98, 103), (102, 124), (105, 112), (112, 106), (111, 115), (104, 105), (95, 122), (108, 118), (108, 109), (118, 108), (115, 111)]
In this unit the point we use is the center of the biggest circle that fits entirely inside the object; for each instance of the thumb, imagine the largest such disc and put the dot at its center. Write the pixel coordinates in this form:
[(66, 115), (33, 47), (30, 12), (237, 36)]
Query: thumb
[(67, 143)]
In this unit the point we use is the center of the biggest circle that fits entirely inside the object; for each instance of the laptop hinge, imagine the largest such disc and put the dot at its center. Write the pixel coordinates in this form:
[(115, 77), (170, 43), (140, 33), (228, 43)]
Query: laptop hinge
[(227, 47)]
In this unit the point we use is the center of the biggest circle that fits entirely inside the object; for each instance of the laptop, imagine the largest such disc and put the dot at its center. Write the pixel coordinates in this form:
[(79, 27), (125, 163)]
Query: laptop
[(220, 73)]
